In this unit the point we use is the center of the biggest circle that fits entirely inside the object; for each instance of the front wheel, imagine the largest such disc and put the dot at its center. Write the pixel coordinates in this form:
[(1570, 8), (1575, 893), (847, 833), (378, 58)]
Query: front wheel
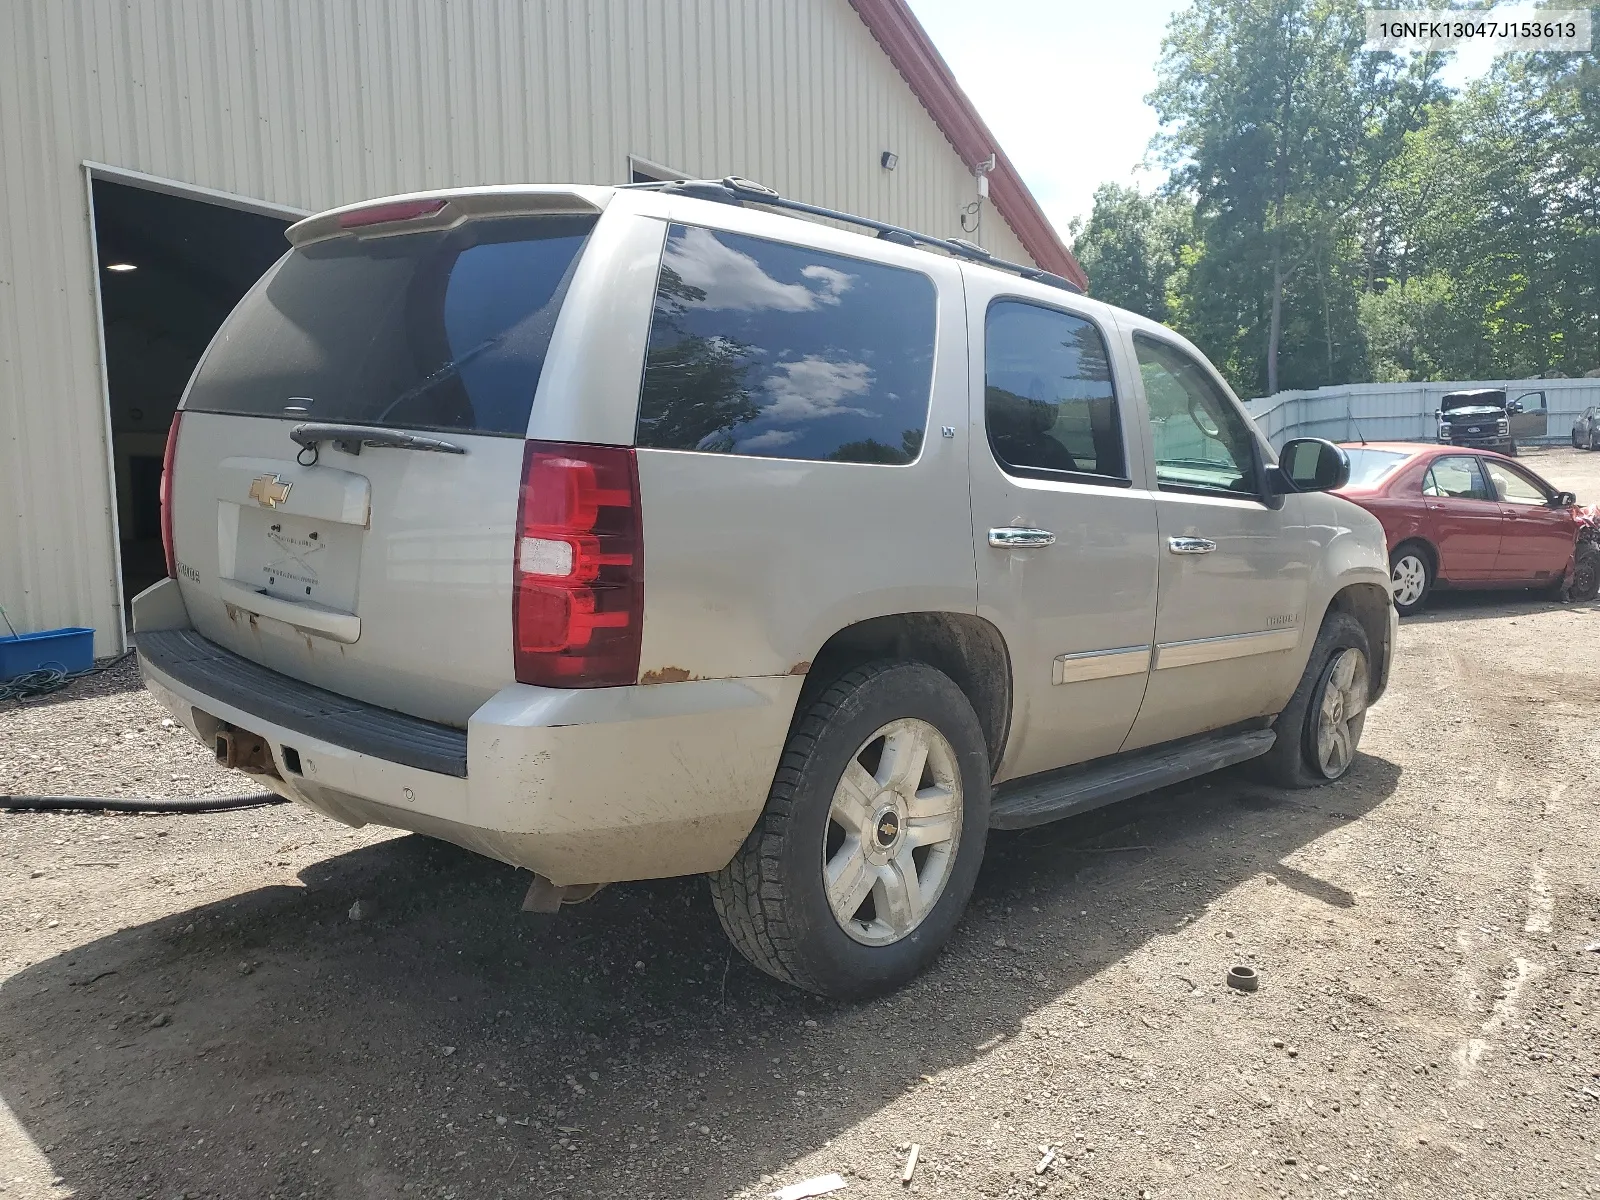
[(866, 854), (1411, 577), (1320, 727), (1584, 585)]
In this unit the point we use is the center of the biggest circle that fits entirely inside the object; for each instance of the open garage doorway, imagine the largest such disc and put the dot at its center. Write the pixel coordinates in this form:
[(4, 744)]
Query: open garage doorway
[(171, 269)]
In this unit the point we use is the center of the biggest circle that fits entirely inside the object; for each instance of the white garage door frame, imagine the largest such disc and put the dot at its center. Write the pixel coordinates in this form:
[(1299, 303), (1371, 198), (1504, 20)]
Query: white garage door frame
[(185, 191)]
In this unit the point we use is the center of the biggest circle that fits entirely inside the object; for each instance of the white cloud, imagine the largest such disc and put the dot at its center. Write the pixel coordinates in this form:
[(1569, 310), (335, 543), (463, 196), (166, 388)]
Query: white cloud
[(770, 440), (813, 387), (834, 283), (732, 279)]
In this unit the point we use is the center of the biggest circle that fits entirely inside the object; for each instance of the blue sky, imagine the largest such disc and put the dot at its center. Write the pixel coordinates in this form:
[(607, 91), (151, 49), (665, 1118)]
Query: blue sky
[(1062, 85)]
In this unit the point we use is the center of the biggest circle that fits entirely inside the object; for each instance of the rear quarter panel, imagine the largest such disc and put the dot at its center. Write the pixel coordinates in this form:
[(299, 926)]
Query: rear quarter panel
[(751, 564)]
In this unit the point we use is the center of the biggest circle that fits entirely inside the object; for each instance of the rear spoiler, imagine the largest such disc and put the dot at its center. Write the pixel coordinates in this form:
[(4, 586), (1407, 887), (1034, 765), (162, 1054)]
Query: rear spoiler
[(419, 211)]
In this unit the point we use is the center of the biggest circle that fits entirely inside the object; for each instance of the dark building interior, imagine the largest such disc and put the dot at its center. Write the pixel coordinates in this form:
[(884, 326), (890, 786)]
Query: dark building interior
[(171, 269)]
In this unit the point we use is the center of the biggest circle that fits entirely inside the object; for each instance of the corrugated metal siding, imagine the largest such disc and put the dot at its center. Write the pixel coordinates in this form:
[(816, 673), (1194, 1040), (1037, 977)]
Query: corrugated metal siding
[(310, 105), (1404, 411)]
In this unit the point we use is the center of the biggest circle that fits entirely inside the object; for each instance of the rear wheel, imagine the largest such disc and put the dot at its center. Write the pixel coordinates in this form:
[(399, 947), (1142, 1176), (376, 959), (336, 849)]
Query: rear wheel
[(1320, 727), (1411, 575), (866, 854)]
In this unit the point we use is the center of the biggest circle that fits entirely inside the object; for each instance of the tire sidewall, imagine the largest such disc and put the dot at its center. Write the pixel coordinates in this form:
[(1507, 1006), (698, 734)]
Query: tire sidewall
[(843, 966), (1292, 760)]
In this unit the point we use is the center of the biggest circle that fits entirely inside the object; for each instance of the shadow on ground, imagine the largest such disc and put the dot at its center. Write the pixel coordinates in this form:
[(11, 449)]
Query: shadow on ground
[(447, 1044)]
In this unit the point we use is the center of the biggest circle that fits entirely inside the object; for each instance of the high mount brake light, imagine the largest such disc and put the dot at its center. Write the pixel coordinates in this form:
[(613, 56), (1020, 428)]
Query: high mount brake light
[(578, 605), (380, 214)]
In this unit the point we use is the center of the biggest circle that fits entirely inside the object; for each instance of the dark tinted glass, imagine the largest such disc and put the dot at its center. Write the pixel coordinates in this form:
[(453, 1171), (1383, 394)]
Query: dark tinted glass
[(768, 349), (1048, 401), (442, 330)]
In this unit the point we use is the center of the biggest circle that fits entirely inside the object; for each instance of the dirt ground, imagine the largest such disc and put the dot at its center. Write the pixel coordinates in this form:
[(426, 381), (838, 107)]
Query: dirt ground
[(194, 1006)]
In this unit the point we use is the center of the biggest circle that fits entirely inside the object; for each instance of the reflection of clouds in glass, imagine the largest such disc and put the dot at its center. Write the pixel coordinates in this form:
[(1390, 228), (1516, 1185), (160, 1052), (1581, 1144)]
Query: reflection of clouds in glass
[(834, 283), (814, 387), (770, 440), (734, 280)]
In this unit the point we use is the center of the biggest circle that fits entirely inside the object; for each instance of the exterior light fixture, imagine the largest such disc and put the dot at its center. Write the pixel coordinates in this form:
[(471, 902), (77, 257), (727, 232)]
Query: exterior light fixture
[(121, 267), (889, 160)]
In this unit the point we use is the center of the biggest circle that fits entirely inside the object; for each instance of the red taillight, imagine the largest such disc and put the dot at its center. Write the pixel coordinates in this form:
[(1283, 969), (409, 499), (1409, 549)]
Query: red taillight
[(378, 214), (578, 612), (166, 494)]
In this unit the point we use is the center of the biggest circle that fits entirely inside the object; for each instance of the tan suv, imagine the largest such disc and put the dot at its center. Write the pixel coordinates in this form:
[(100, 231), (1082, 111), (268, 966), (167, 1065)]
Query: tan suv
[(622, 533)]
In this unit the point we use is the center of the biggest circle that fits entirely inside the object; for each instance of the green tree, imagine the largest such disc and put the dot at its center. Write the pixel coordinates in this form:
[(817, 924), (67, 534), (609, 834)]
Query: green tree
[(1278, 124), (1133, 248)]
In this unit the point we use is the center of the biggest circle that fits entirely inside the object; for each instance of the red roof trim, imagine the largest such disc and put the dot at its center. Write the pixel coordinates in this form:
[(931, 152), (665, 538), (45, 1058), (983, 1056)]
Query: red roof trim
[(914, 56)]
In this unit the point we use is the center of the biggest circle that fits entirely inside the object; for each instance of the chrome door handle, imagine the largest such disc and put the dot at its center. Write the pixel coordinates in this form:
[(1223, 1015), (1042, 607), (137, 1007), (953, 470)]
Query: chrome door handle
[(1014, 538), (1190, 545)]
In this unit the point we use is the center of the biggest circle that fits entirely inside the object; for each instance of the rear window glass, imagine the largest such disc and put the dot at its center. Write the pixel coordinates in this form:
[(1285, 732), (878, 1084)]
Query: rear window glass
[(1369, 466), (444, 330), (763, 348)]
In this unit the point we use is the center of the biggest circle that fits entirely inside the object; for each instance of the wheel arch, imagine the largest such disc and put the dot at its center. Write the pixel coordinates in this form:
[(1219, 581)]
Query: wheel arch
[(1372, 606), (967, 648)]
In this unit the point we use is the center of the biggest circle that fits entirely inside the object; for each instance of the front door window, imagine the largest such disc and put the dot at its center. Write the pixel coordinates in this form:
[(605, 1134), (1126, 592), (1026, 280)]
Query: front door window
[(1202, 441)]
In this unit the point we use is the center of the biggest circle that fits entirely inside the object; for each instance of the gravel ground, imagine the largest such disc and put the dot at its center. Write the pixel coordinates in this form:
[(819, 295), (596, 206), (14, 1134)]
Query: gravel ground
[(264, 1003)]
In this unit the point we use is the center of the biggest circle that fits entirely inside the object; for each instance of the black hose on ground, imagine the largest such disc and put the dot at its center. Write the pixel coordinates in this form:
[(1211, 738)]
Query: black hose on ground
[(130, 805)]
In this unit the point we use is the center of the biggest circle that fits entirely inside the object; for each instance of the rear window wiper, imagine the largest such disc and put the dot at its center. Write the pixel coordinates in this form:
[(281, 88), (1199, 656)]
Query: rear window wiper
[(350, 438)]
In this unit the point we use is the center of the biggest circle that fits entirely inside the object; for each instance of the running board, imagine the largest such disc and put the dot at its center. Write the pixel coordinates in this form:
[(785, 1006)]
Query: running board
[(1039, 799)]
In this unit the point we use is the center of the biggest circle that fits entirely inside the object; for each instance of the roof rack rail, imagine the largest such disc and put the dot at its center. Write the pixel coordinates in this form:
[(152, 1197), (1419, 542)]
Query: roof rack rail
[(734, 190)]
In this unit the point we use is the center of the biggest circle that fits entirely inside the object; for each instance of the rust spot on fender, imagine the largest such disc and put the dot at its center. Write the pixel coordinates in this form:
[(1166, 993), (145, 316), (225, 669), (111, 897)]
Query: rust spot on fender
[(664, 675), (801, 667)]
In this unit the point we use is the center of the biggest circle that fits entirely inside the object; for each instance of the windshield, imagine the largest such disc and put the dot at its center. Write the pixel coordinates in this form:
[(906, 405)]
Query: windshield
[(1473, 400), (1368, 467), (441, 330)]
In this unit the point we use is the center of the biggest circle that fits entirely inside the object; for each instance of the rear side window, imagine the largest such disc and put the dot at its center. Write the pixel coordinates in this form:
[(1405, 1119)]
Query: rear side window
[(441, 330), (1048, 401), (763, 348)]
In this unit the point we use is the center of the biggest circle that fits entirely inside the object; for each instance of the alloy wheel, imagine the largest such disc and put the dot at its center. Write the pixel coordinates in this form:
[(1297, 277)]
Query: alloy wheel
[(892, 834), (1342, 713)]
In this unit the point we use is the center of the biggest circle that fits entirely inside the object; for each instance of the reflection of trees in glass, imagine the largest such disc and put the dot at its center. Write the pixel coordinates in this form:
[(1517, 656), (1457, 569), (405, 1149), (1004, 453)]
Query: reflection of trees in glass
[(694, 390), (871, 450), (1084, 340)]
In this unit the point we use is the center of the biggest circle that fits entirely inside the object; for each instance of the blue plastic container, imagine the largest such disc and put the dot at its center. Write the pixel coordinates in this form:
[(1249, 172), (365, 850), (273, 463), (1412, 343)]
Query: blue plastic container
[(70, 649)]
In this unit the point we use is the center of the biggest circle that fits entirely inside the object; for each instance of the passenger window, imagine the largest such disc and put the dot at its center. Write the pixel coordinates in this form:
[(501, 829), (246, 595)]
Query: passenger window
[(1048, 400), (1201, 440), (763, 348), (1512, 487), (1456, 478)]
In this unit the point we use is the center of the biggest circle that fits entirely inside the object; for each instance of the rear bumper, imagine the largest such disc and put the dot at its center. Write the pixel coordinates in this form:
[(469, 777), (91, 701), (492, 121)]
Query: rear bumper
[(582, 786)]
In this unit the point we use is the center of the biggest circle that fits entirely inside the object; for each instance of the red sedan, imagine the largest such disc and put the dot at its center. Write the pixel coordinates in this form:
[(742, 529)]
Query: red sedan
[(1460, 518)]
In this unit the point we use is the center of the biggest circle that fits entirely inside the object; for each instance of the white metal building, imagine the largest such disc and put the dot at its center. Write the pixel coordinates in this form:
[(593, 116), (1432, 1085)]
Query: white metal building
[(152, 150)]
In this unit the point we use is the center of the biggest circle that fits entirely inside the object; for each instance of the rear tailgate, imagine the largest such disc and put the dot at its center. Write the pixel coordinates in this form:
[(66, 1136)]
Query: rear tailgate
[(376, 571)]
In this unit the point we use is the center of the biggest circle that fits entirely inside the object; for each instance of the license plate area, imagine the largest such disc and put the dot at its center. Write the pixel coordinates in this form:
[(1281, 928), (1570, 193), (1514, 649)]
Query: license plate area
[(294, 558)]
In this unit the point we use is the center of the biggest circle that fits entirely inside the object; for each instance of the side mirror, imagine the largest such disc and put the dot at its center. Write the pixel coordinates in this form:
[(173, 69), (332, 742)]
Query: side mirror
[(1314, 465), (1514, 406), (1563, 500), (1438, 414)]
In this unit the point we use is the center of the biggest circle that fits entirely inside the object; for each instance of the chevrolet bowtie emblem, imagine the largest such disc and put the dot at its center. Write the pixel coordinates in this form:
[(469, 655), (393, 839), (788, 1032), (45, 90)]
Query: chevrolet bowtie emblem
[(269, 491)]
